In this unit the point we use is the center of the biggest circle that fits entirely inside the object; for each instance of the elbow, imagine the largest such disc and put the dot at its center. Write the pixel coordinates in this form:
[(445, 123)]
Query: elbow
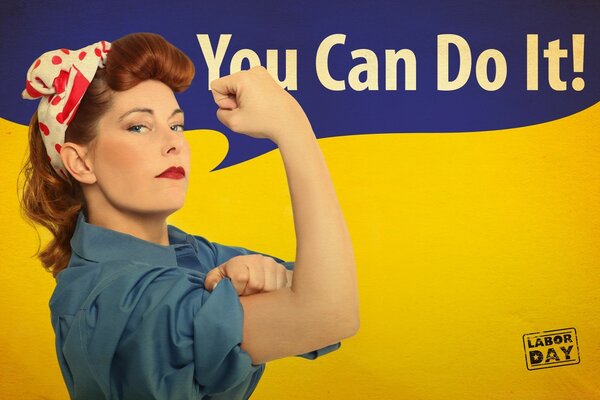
[(351, 317), (349, 324), (333, 323), (353, 327), (345, 316), (356, 325)]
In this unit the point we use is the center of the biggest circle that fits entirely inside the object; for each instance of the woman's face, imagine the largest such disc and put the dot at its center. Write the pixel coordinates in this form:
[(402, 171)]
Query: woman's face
[(137, 139)]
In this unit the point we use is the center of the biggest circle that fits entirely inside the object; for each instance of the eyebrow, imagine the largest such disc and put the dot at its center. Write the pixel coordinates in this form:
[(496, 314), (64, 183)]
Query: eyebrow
[(148, 110)]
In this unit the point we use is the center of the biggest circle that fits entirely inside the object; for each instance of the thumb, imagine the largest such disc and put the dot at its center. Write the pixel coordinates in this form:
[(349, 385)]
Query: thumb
[(229, 118), (225, 102), (213, 277)]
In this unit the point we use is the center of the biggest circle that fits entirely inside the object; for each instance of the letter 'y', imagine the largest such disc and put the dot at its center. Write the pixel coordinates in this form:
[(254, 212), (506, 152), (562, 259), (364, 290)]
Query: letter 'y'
[(567, 351), (213, 61)]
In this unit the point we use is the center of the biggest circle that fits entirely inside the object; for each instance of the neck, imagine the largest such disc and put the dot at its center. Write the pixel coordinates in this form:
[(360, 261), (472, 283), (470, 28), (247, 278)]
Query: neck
[(145, 226)]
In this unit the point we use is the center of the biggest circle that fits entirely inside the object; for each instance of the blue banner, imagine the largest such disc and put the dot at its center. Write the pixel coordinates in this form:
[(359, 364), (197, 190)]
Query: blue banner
[(386, 67)]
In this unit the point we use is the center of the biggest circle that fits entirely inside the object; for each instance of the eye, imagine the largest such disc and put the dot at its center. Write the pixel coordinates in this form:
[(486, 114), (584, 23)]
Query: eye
[(180, 126), (134, 128)]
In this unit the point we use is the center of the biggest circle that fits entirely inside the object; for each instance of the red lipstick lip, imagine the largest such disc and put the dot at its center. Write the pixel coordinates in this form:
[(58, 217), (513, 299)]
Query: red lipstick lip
[(173, 173)]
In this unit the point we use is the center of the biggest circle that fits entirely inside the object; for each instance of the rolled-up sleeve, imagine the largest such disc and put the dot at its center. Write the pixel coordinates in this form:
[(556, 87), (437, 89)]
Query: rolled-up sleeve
[(181, 340), (220, 361)]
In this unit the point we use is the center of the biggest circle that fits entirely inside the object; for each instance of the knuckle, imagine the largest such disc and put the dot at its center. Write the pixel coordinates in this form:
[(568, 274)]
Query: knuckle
[(239, 274), (236, 260), (256, 257), (282, 274), (254, 285), (242, 75)]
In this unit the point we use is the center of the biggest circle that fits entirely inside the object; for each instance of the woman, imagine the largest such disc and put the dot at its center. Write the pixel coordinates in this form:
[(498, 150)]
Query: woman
[(142, 309)]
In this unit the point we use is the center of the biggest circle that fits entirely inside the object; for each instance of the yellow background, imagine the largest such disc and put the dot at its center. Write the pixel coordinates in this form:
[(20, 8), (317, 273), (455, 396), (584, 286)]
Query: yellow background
[(464, 242)]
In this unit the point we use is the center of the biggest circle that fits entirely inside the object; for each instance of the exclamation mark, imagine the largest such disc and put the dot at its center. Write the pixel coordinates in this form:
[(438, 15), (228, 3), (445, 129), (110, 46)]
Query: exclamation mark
[(578, 42)]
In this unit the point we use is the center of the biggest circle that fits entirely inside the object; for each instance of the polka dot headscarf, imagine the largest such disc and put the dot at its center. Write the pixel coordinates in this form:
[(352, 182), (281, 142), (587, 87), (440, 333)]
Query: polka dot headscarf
[(61, 77)]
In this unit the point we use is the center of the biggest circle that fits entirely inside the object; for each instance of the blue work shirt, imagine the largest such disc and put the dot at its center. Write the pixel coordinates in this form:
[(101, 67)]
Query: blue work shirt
[(133, 320)]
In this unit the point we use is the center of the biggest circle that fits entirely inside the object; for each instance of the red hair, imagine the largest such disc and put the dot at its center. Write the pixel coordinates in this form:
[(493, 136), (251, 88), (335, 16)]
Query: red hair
[(49, 200)]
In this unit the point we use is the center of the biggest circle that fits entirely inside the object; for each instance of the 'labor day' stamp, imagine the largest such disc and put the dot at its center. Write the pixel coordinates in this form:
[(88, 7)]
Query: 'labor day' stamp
[(548, 349)]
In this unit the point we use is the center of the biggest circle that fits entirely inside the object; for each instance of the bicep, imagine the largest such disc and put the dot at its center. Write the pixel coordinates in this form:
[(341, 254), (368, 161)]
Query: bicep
[(277, 324)]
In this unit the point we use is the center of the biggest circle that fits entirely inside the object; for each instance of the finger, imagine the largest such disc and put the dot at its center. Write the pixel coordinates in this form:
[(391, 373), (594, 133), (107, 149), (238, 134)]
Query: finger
[(239, 274), (282, 277), (280, 273), (227, 103), (270, 278), (210, 280), (289, 277), (224, 91), (213, 277), (228, 118), (256, 282)]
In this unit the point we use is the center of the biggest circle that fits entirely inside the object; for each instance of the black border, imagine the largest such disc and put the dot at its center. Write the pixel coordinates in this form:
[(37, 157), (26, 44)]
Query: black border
[(542, 333)]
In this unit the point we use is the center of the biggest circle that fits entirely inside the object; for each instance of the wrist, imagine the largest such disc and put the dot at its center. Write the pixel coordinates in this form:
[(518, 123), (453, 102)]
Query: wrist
[(294, 134)]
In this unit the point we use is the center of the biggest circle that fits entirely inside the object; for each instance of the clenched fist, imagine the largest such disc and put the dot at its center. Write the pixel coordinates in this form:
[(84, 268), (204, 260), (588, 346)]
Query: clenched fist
[(252, 102), (252, 273)]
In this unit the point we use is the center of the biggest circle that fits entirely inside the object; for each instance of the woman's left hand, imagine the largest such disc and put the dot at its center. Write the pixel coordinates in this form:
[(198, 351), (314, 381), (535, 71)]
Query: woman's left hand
[(250, 274)]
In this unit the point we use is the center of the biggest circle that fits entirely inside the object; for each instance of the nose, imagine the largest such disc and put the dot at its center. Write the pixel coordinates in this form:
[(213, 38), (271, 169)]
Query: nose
[(172, 141)]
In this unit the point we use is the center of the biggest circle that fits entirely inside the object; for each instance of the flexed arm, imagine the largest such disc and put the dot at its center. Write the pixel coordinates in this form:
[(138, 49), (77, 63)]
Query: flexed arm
[(321, 306)]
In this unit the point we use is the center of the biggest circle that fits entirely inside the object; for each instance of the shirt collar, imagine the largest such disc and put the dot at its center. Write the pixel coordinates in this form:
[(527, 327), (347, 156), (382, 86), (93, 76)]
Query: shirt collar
[(95, 243)]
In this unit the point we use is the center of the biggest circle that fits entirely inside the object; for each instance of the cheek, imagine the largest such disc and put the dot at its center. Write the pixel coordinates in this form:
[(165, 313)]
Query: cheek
[(186, 154), (119, 160)]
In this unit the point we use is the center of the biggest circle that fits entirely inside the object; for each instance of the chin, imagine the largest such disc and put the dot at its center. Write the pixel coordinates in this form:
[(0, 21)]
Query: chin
[(169, 206), (162, 212)]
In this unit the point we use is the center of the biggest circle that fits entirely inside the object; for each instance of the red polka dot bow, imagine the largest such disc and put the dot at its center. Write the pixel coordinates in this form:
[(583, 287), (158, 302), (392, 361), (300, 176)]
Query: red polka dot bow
[(61, 77)]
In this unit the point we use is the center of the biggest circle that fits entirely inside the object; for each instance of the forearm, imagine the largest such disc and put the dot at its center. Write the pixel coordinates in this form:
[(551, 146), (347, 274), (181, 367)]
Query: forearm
[(321, 306), (325, 270)]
